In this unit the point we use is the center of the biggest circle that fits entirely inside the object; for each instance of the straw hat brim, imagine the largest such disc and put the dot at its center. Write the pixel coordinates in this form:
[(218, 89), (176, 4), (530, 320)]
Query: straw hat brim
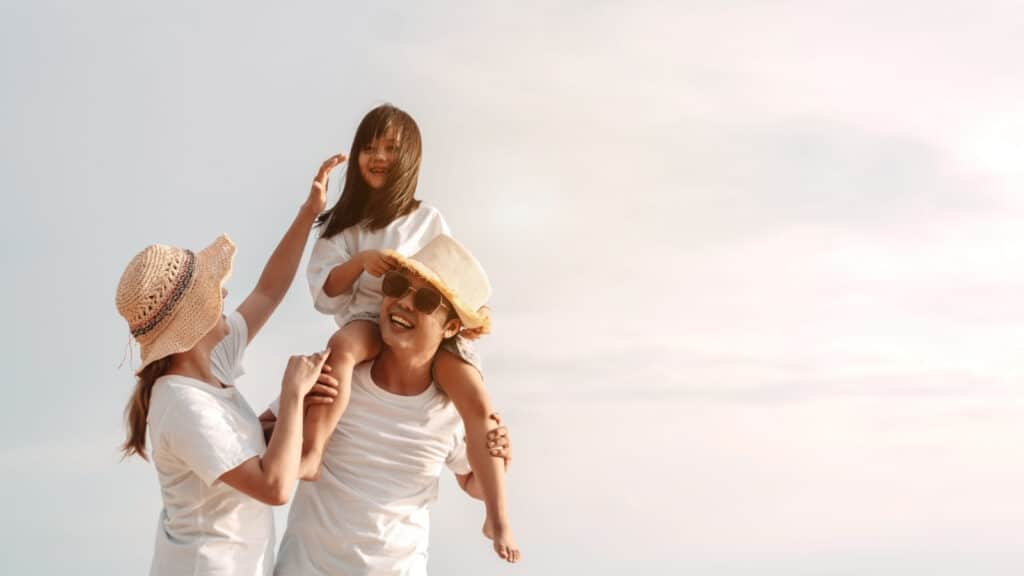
[(470, 318), (198, 310)]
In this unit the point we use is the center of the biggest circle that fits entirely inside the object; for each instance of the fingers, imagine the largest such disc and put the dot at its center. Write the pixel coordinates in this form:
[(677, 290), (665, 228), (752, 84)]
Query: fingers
[(316, 401), (323, 391), (329, 165), (379, 266), (499, 432), (319, 358), (328, 380)]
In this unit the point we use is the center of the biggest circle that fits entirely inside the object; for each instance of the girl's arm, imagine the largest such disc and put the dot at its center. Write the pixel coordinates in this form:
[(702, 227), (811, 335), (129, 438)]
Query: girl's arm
[(500, 447), (271, 478), (344, 275), (280, 268)]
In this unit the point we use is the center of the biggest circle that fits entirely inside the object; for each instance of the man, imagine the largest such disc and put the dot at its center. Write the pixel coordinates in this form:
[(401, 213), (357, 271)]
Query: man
[(369, 511)]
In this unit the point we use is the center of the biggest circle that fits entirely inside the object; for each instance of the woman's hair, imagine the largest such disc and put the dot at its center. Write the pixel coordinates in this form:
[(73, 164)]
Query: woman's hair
[(375, 209), (137, 410)]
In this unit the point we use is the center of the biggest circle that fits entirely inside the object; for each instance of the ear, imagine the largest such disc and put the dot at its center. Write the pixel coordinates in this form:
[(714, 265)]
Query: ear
[(452, 327)]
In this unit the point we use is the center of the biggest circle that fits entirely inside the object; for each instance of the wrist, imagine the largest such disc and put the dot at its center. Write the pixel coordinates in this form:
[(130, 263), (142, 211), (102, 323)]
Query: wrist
[(290, 397), (308, 211)]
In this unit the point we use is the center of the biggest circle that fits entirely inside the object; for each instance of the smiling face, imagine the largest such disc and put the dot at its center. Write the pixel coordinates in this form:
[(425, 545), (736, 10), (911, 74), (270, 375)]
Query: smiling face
[(409, 331), (377, 158)]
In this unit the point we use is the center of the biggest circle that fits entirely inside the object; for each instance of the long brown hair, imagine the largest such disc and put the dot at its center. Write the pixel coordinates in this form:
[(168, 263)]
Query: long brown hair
[(137, 410), (375, 209)]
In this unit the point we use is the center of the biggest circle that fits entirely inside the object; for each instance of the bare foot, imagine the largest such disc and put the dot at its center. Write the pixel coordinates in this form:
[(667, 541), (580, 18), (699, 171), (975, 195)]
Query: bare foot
[(501, 535)]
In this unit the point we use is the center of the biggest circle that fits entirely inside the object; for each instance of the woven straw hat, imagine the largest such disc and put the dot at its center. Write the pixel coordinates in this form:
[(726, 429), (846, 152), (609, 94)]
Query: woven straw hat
[(449, 267), (172, 297)]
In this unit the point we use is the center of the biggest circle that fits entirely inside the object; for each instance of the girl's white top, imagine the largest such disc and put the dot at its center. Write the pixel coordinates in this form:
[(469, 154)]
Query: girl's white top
[(199, 432), (405, 235)]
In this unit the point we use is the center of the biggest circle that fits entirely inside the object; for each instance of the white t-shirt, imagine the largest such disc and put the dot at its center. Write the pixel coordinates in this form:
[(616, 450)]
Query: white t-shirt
[(405, 235), (199, 432), (369, 512)]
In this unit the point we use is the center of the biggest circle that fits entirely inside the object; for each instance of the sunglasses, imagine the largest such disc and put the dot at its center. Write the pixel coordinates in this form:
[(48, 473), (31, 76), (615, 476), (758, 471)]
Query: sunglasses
[(425, 300)]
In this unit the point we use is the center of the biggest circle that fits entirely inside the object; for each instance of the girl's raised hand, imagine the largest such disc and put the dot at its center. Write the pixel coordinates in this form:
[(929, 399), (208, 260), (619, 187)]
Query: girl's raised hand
[(318, 192)]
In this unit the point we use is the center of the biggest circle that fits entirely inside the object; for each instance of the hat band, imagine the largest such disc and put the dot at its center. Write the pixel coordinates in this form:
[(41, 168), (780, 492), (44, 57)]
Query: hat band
[(181, 284)]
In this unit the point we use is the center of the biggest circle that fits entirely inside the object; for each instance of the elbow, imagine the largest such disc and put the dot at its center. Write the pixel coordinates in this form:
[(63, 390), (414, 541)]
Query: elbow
[(276, 494), (278, 497)]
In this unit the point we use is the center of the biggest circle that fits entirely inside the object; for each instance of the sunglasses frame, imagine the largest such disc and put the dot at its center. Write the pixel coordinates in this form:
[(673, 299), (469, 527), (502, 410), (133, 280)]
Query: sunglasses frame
[(409, 288)]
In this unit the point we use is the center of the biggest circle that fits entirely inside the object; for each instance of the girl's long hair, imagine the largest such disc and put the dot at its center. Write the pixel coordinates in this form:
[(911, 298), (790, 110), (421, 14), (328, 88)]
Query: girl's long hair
[(137, 410), (375, 209)]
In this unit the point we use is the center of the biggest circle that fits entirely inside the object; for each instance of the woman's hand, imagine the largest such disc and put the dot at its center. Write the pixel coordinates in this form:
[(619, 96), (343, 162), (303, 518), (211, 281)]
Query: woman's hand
[(324, 391), (474, 333), (375, 262), (317, 200), (303, 373)]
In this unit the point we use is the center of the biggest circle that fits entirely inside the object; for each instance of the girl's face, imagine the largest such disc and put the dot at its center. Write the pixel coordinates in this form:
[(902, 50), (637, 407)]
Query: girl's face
[(378, 157)]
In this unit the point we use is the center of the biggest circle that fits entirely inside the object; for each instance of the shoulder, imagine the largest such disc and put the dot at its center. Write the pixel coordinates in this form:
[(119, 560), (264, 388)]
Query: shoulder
[(428, 215), (173, 392), (428, 210), (174, 399)]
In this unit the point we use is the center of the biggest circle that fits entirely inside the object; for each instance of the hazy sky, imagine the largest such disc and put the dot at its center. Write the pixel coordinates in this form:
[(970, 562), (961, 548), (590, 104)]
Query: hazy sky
[(756, 267)]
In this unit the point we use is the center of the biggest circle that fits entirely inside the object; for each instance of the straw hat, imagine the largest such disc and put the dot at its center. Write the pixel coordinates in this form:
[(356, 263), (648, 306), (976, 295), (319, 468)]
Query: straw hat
[(449, 267), (171, 297)]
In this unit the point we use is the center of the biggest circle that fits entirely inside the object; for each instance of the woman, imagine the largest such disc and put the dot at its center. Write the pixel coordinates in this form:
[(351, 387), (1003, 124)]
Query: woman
[(217, 475)]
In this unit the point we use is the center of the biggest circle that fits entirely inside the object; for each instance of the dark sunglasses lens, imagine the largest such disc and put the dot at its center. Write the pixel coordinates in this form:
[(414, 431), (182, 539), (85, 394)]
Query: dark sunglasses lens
[(426, 300), (394, 285)]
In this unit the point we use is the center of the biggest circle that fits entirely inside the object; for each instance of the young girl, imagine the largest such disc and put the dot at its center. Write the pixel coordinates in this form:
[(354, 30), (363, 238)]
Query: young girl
[(378, 211), (217, 475)]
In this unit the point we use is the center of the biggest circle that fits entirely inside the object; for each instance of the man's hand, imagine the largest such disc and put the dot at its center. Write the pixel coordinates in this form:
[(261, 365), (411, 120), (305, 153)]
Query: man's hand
[(498, 442)]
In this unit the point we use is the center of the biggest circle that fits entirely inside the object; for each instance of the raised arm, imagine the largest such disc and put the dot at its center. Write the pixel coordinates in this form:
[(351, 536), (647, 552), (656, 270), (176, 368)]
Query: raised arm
[(280, 269)]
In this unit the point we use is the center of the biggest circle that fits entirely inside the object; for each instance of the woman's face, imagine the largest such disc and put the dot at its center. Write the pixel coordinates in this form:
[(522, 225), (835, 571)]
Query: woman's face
[(219, 330), (378, 157)]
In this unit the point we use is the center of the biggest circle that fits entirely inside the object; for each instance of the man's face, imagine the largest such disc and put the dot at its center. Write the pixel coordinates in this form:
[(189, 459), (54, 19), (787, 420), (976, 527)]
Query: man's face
[(406, 329)]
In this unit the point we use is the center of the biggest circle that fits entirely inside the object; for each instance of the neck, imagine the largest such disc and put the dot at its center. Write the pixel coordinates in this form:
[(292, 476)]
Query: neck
[(401, 374), (194, 364)]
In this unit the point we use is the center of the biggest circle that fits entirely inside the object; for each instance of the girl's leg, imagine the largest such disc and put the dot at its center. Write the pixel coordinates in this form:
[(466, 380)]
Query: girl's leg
[(353, 344), (464, 385)]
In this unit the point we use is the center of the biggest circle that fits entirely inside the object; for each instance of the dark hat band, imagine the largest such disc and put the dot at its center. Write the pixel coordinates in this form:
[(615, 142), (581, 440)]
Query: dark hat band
[(181, 284)]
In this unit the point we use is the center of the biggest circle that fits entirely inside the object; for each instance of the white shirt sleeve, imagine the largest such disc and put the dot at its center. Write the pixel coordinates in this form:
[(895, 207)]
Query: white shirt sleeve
[(438, 226), (327, 254), (226, 356), (199, 431), (458, 460)]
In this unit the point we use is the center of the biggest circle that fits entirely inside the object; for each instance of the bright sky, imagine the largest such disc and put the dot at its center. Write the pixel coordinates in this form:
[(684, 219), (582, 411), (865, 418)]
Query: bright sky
[(757, 292)]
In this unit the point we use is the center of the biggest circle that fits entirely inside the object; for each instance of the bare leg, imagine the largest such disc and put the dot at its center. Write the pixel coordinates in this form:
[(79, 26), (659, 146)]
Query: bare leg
[(464, 385), (357, 342)]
